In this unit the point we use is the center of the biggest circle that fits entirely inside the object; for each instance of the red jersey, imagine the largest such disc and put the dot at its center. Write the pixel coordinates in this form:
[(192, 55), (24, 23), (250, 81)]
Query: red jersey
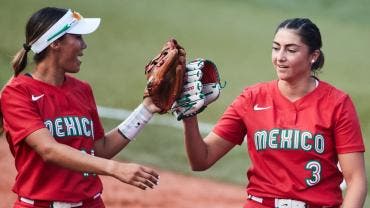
[(70, 114), (293, 146)]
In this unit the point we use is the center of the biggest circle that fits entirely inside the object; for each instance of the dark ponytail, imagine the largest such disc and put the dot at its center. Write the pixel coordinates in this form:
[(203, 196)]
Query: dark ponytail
[(19, 61), (36, 26)]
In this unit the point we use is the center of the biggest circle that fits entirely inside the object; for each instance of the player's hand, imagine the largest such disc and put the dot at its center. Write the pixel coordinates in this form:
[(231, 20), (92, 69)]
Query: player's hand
[(148, 103), (136, 175)]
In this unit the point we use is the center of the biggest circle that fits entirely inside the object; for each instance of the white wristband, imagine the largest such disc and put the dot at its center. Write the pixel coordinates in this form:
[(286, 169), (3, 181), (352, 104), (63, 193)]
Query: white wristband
[(130, 127)]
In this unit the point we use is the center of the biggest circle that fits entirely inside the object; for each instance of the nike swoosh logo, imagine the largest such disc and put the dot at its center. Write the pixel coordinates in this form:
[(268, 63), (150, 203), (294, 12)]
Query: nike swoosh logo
[(35, 98), (258, 108)]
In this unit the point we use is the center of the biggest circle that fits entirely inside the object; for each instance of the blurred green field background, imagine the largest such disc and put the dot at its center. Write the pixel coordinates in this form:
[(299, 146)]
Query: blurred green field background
[(235, 34)]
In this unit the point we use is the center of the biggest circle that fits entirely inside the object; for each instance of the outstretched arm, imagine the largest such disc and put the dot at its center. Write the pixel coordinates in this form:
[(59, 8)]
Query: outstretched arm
[(63, 155), (353, 168), (203, 153)]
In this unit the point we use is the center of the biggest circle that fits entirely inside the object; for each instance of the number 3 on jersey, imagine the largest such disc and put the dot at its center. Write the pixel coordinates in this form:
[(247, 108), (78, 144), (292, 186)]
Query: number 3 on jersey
[(315, 168)]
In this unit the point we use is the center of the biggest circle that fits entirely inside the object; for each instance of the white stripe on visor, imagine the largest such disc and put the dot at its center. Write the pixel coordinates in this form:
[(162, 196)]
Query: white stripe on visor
[(71, 22)]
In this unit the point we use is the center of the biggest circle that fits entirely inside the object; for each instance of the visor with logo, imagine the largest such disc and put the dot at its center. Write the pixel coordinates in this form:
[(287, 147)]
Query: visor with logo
[(72, 22)]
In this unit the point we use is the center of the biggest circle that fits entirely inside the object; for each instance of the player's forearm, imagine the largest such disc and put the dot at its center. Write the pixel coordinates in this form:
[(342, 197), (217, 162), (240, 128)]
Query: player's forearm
[(196, 149), (356, 192), (112, 143), (60, 154), (68, 157)]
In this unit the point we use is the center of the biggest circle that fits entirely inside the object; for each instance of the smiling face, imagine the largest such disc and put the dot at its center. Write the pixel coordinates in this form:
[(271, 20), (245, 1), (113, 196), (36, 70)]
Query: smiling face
[(71, 47), (291, 58)]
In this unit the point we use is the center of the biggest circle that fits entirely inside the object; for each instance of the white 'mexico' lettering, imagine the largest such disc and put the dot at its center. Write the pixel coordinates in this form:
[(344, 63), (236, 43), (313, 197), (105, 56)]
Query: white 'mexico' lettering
[(70, 126), (289, 139)]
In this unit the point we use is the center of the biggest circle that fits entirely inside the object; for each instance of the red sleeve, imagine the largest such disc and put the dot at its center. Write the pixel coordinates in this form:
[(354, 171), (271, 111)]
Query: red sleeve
[(231, 126), (347, 131), (98, 127), (21, 115)]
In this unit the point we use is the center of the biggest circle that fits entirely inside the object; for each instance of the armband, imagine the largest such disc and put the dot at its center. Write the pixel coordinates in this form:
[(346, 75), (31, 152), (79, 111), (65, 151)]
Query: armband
[(130, 127)]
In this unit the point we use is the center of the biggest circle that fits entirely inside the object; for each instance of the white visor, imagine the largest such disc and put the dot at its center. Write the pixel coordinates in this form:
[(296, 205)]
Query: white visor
[(71, 22)]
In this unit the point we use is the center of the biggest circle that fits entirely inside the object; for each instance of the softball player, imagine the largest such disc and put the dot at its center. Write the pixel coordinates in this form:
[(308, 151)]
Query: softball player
[(52, 125), (297, 129)]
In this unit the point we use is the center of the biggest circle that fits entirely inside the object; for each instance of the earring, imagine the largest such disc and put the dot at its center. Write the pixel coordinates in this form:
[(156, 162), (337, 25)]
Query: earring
[(313, 61)]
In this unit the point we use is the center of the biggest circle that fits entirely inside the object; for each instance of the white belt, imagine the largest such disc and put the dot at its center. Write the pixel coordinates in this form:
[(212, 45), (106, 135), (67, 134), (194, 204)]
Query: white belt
[(58, 204), (281, 203), (255, 198), (289, 203)]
